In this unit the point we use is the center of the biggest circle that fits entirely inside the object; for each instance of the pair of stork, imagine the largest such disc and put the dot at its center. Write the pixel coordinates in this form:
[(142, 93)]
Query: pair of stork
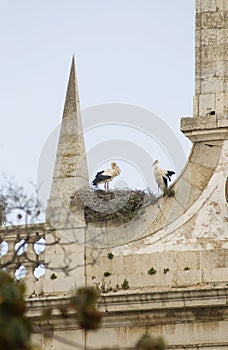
[(162, 176)]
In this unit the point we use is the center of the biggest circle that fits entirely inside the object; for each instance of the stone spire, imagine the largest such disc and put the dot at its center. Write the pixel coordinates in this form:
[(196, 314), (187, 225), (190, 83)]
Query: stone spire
[(70, 171), (72, 95)]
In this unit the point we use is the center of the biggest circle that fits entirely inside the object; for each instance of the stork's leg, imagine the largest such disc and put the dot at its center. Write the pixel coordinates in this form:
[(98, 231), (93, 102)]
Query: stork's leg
[(158, 196)]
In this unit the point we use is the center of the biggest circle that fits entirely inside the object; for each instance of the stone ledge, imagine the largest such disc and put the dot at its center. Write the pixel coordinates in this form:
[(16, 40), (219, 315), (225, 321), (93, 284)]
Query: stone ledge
[(143, 309), (136, 300), (205, 128)]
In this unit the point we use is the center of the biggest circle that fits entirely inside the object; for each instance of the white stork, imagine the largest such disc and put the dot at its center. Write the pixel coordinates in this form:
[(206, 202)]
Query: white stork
[(105, 176), (162, 176)]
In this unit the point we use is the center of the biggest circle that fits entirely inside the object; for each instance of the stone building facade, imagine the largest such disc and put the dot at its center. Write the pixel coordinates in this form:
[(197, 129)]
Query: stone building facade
[(184, 238)]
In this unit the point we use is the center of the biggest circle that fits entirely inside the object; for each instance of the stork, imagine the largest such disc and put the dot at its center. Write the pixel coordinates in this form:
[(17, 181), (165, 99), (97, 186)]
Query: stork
[(162, 176), (105, 176)]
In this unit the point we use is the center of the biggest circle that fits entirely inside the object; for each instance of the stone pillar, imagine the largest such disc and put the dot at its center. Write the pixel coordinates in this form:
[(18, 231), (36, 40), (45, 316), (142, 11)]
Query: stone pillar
[(210, 105)]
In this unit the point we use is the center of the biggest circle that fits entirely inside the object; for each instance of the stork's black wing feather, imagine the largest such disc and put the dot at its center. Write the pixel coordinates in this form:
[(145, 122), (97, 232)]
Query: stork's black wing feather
[(170, 173), (99, 172), (100, 178), (165, 181)]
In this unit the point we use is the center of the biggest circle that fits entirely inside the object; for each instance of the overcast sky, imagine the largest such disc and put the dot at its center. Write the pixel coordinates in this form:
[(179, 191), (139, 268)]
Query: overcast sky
[(136, 52)]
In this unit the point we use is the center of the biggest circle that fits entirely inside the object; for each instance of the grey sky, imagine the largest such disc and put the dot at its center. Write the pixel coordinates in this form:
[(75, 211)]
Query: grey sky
[(139, 52)]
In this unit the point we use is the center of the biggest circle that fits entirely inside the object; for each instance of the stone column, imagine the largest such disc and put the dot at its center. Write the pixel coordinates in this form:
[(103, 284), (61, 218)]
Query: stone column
[(210, 106)]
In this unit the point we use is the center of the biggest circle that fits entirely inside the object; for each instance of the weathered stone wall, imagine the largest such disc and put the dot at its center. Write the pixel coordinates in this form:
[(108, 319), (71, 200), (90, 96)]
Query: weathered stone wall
[(186, 318), (211, 81), (182, 241), (187, 234)]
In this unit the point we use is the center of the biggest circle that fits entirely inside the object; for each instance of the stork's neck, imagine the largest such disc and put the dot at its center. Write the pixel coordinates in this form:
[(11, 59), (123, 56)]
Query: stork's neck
[(156, 165)]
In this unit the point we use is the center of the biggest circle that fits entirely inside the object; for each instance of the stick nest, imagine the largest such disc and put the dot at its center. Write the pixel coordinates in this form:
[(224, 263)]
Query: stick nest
[(119, 205)]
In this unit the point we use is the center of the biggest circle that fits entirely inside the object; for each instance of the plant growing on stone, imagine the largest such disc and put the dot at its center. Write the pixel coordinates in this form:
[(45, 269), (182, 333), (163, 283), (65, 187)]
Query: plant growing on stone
[(110, 255), (15, 328), (53, 276), (107, 274), (125, 284), (147, 342), (152, 271), (84, 302), (169, 192)]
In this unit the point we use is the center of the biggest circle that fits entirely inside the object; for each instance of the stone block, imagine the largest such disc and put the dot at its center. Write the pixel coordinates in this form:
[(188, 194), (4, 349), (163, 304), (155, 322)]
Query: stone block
[(213, 259), (100, 339), (189, 259), (145, 280), (70, 125), (104, 264), (172, 210), (48, 286), (114, 336), (34, 286), (74, 335), (133, 264), (69, 144), (221, 37), (219, 107), (204, 302), (126, 232), (223, 123), (220, 275), (226, 257), (207, 275), (192, 124), (205, 155), (96, 234), (193, 194), (212, 84), (196, 100), (197, 175), (188, 277), (225, 5), (220, 5), (150, 213), (206, 104), (198, 5), (208, 37), (37, 339), (208, 5), (182, 191), (208, 70), (69, 284), (209, 20), (66, 284)]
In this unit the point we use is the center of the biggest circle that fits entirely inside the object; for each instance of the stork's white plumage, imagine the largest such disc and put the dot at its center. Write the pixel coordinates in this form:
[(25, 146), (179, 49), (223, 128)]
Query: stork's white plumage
[(162, 176), (105, 176)]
